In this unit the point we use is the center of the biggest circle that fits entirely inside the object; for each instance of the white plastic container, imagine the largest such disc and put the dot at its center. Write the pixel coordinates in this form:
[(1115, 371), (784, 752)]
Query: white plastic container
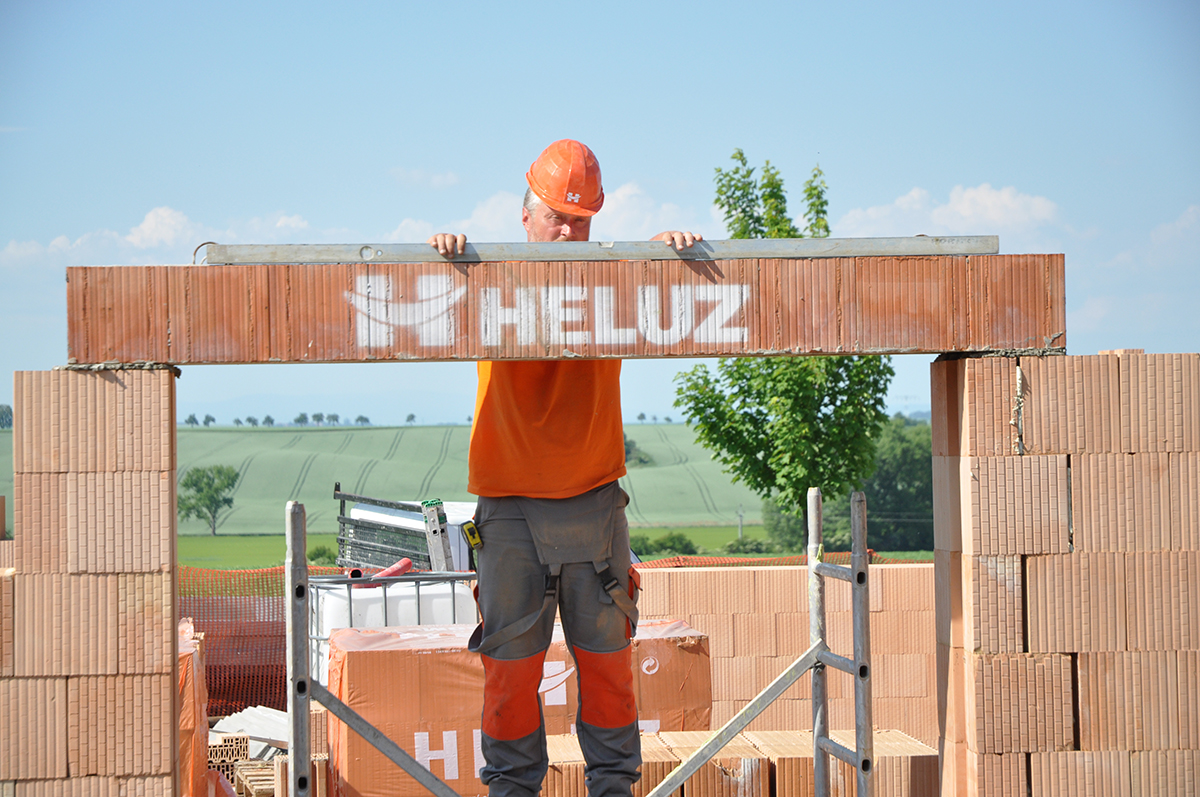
[(442, 603)]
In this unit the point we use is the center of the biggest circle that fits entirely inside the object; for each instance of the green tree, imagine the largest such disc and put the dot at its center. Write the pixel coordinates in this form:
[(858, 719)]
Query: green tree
[(641, 417), (268, 420), (322, 555), (782, 425), (191, 420), (318, 418), (6, 416), (237, 421), (410, 419), (899, 492), (363, 420), (250, 419), (204, 493), (301, 419), (209, 421), (333, 418)]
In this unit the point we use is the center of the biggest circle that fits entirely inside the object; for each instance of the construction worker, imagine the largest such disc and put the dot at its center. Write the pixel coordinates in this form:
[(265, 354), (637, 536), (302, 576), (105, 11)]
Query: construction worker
[(547, 448)]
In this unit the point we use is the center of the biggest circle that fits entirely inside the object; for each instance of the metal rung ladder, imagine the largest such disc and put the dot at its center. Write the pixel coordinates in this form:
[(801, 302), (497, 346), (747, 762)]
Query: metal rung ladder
[(301, 688)]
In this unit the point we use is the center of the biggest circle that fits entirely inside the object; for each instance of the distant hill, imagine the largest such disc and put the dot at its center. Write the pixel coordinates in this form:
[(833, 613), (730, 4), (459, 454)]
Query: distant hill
[(683, 486)]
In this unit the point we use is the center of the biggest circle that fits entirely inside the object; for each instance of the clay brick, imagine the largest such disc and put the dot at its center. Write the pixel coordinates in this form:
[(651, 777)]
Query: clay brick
[(34, 728), (719, 629), (1094, 773), (125, 724), (1129, 700), (1018, 505), (948, 571), (1162, 609), (972, 406), (1102, 499), (754, 635), (1165, 772), (93, 421), (1018, 703), (1076, 602), (988, 774), (993, 604)]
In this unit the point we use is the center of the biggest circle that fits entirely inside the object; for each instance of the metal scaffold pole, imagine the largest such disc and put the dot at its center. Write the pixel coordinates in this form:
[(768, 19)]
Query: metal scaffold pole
[(862, 758)]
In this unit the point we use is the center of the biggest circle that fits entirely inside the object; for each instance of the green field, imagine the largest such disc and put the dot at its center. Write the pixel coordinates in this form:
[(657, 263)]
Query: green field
[(683, 486)]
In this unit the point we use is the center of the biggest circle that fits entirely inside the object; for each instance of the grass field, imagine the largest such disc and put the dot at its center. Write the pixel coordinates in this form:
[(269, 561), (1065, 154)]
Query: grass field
[(683, 490), (684, 486)]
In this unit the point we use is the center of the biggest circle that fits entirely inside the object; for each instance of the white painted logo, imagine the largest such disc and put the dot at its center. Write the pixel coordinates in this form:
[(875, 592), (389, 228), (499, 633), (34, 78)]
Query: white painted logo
[(554, 682), (649, 665), (433, 314), (573, 198), (552, 315)]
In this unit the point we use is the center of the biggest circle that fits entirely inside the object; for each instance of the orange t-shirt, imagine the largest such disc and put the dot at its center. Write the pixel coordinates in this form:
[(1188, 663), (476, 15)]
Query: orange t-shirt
[(546, 428)]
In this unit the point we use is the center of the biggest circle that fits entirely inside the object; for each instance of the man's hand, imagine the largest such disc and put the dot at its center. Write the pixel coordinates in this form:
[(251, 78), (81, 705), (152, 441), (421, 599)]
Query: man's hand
[(448, 244), (678, 239)]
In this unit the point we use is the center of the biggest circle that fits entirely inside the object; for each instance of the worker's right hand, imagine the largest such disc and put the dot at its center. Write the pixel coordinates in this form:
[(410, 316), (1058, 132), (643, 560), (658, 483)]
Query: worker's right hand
[(448, 244)]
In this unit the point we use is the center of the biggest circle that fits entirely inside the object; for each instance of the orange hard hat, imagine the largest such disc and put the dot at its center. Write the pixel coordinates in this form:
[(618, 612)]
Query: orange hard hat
[(566, 176)]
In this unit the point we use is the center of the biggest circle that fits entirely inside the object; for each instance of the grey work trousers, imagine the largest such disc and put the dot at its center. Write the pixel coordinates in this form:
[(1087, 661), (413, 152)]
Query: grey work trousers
[(512, 581)]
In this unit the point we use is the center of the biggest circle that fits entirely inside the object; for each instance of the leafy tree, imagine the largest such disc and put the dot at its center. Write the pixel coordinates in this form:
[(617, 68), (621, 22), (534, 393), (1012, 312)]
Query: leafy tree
[(633, 454), (322, 555), (301, 419), (6, 416), (209, 421), (641, 417), (237, 421), (674, 543), (204, 493), (899, 493), (363, 420), (333, 418), (318, 418), (191, 420), (782, 425), (668, 419), (250, 419), (410, 419), (268, 420)]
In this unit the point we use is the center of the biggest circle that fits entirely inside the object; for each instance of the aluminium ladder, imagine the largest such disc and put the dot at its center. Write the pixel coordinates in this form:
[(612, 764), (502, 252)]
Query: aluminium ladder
[(301, 688)]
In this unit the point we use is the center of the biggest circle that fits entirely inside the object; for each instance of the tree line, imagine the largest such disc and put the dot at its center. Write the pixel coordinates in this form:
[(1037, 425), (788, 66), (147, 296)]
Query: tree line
[(303, 419)]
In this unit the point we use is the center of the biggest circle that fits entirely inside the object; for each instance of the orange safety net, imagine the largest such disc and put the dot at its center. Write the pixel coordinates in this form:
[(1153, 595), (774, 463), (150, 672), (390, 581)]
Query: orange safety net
[(832, 557), (244, 619)]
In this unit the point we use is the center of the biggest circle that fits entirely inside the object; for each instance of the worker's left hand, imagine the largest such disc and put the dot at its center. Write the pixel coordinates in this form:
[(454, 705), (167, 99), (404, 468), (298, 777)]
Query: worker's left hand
[(679, 239)]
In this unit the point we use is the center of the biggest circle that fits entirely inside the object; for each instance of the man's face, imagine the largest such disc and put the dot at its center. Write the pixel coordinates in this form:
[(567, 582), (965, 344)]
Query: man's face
[(547, 224)]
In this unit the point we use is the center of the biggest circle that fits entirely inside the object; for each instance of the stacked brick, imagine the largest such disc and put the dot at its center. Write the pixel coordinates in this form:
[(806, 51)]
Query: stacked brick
[(756, 619), (88, 661), (1067, 521)]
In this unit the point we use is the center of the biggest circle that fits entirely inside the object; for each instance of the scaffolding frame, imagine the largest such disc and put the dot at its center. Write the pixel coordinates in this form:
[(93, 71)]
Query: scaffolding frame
[(302, 688)]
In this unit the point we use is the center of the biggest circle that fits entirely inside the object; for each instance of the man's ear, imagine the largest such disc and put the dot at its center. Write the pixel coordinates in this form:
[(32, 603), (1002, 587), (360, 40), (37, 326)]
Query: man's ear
[(525, 219)]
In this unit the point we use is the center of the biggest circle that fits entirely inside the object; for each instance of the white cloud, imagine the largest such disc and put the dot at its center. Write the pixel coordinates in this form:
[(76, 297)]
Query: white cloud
[(630, 214), (423, 178), (163, 225), (296, 222), (1022, 220), (410, 231)]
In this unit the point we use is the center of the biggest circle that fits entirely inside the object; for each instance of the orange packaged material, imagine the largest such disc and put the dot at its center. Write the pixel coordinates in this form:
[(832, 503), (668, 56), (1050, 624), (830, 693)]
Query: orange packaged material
[(193, 716), (7, 622), (424, 686), (35, 725), (1097, 774)]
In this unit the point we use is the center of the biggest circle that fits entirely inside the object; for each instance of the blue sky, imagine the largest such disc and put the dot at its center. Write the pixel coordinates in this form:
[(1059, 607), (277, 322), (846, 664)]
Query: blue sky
[(131, 132)]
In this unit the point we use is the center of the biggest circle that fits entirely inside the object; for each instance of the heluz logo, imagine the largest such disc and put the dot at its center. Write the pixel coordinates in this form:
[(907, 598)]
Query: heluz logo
[(573, 197)]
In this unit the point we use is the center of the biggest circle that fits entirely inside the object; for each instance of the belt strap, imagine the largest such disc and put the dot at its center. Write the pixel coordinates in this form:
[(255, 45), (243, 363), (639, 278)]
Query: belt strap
[(477, 643)]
